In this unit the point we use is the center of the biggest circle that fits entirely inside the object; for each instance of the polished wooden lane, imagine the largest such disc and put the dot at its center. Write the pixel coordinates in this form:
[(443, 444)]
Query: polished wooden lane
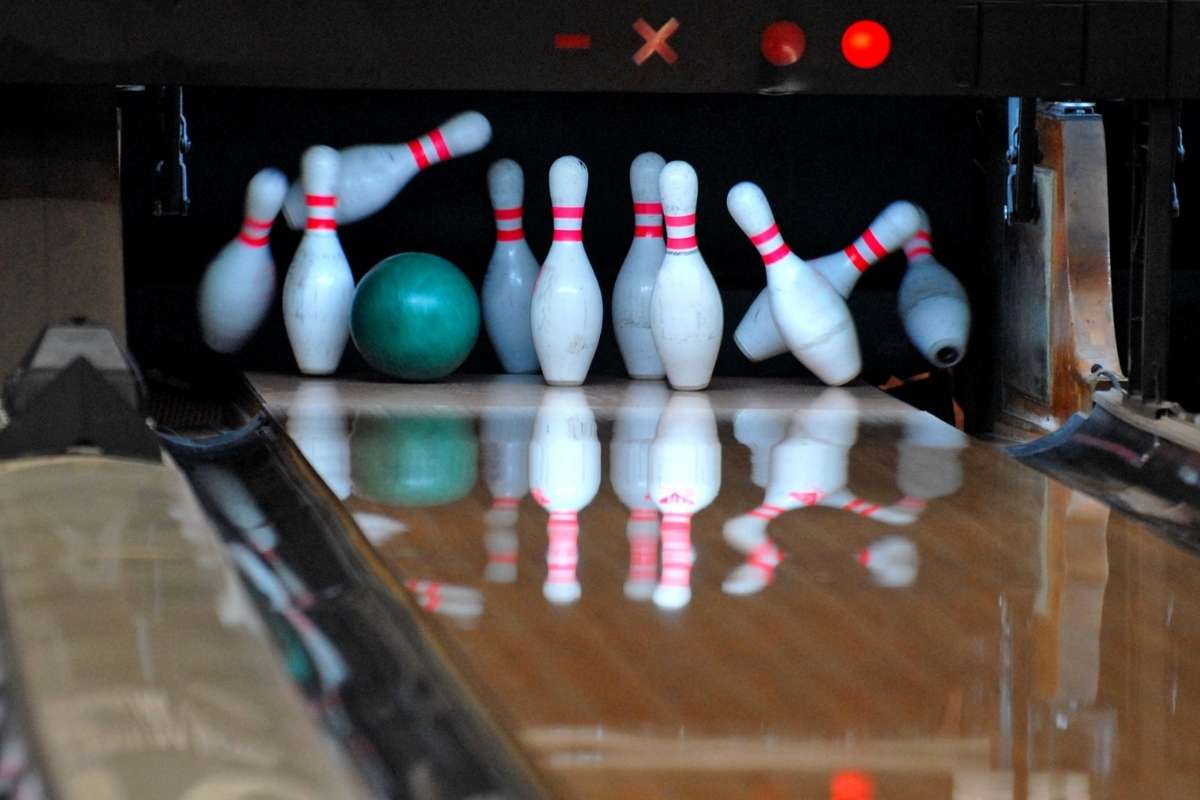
[(950, 625)]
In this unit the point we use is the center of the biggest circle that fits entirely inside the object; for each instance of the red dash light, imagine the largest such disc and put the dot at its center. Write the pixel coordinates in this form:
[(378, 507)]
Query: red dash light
[(783, 43), (866, 44), (572, 41)]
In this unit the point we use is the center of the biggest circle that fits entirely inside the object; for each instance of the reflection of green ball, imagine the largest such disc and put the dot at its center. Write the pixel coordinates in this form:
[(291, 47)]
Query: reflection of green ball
[(415, 316), (413, 461)]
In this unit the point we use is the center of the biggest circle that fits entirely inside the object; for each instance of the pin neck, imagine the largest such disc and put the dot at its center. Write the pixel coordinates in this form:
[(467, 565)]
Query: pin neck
[(568, 223), (255, 232), (647, 220), (770, 245), (644, 514), (509, 224), (429, 149), (865, 251), (681, 232), (921, 244)]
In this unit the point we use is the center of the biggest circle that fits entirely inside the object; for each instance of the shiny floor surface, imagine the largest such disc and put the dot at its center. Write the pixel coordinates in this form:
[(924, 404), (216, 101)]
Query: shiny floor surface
[(878, 607)]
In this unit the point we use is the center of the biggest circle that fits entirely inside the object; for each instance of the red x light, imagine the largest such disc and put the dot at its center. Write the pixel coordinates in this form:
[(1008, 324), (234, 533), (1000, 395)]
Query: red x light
[(866, 44)]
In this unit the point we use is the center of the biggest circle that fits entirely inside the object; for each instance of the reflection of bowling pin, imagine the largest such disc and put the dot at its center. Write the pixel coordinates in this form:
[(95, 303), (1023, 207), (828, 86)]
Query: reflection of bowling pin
[(635, 282), (373, 174), (758, 336), (567, 309), (508, 283), (564, 476), (892, 561), (685, 475), (933, 304), (634, 429), (459, 602), (760, 429), (686, 316), (809, 464), (239, 284), (378, 528), (504, 436), (316, 425), (929, 465), (319, 288), (811, 316)]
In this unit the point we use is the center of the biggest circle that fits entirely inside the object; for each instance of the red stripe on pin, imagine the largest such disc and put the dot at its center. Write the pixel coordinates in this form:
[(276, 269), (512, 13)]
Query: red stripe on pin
[(647, 231), (568, 236), (567, 212), (319, 224), (856, 258), (779, 252), (512, 235), (874, 244), (508, 213), (439, 144), (647, 208), (418, 153), (680, 219), (918, 251), (251, 222), (766, 236), (681, 243), (923, 236), (320, 200), (253, 241)]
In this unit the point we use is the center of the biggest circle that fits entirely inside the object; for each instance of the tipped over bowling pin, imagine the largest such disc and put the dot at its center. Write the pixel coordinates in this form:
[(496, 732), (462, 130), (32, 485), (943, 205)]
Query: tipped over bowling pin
[(686, 314), (933, 304), (239, 284), (811, 315), (757, 335), (567, 309), (508, 282), (319, 288), (373, 174), (634, 288)]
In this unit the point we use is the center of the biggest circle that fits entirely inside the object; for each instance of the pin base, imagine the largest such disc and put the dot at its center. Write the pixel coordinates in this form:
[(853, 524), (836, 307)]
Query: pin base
[(564, 383)]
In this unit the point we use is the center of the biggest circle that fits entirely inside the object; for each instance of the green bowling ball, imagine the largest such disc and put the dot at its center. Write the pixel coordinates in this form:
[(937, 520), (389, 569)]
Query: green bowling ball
[(413, 460), (415, 316)]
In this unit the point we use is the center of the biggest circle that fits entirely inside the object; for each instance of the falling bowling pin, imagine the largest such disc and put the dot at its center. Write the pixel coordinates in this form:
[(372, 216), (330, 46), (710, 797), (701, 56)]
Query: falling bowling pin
[(508, 282), (564, 476), (634, 288), (685, 476), (239, 284), (373, 174), (319, 289), (933, 304), (686, 314), (757, 335), (567, 309), (811, 315)]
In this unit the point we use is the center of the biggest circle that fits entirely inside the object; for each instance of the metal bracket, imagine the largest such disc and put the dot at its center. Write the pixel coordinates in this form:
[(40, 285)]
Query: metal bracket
[(170, 173), (1023, 153)]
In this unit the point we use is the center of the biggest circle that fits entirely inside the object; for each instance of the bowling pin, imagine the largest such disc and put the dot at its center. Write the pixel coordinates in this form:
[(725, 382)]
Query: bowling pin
[(933, 304), (760, 429), (508, 282), (635, 282), (373, 174), (567, 310), (757, 335), (318, 429), (504, 433), (892, 561), (685, 476), (319, 288), (564, 476), (239, 284), (634, 429), (811, 316), (809, 464), (686, 315)]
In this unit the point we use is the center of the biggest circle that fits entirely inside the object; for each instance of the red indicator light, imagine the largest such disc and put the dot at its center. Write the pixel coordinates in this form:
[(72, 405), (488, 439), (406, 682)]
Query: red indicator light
[(572, 41), (783, 43), (866, 44), (851, 785)]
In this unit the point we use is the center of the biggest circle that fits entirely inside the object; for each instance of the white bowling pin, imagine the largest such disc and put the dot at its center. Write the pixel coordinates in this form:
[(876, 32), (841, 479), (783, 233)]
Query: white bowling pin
[(508, 282), (319, 289), (635, 282), (564, 476), (812, 317), (239, 283), (757, 335), (634, 429), (686, 315), (504, 434), (318, 429), (760, 429), (373, 174), (811, 463), (685, 476), (933, 304), (567, 309), (892, 561)]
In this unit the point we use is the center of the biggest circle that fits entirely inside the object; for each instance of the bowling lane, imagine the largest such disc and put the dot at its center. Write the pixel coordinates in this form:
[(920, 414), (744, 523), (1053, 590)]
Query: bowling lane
[(878, 607)]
